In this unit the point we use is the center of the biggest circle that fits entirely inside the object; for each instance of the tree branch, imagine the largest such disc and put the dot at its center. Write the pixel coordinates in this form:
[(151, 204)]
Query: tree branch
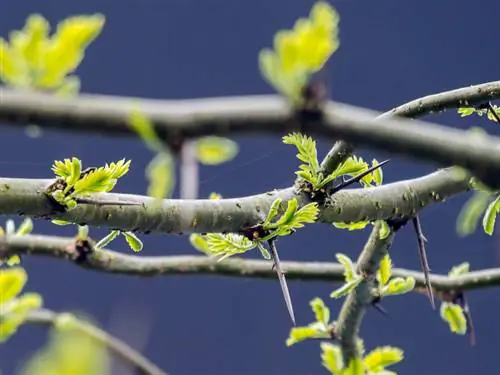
[(140, 364), (395, 200), (351, 314), (192, 118), (108, 261)]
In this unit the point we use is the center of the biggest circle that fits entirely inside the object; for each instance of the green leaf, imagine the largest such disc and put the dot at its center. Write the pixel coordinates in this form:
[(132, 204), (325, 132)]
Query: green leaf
[(385, 270), (199, 242), (83, 232), (380, 358), (349, 267), (398, 285), (145, 130), (454, 316), (14, 260), (273, 211), (346, 288), (331, 357), (25, 228), (12, 281), (62, 168), (298, 334), (307, 154), (61, 222), (226, 245), (215, 150), (352, 226), (384, 230), (460, 269), (75, 171), (466, 111), (160, 174), (471, 212), (133, 241), (355, 367), (490, 215), (14, 313), (321, 311), (378, 176), (263, 251), (106, 240)]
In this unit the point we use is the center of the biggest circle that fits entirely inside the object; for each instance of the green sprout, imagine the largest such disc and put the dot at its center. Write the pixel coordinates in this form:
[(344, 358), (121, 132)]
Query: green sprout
[(32, 59), (301, 52)]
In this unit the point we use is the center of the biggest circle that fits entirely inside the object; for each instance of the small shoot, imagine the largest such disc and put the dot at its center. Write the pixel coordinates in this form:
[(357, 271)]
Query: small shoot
[(322, 328), (132, 240), (352, 278), (374, 363), (24, 229), (14, 306), (73, 183), (388, 286)]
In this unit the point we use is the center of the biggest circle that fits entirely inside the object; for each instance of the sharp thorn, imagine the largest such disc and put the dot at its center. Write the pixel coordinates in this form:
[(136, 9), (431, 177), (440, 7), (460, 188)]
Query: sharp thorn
[(423, 259), (358, 177), (282, 280)]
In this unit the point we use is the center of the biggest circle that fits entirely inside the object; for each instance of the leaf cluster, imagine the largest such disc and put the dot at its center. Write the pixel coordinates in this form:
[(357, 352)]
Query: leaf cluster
[(223, 246), (77, 182), (301, 52), (33, 59), (483, 202), (467, 111), (14, 306)]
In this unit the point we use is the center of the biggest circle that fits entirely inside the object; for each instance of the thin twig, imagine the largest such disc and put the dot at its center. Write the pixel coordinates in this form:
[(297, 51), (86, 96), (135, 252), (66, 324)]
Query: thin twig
[(493, 112), (282, 279), (140, 364), (423, 258)]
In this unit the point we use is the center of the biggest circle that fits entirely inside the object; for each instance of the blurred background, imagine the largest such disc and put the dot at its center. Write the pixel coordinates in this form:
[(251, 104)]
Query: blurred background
[(391, 51)]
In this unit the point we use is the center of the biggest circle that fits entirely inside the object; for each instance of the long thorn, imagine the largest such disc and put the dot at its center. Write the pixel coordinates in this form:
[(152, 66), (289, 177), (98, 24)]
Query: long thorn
[(468, 318), (282, 279), (423, 258), (358, 177)]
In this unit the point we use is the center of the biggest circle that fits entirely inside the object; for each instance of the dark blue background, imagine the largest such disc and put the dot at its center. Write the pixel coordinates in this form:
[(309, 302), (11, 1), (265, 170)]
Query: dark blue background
[(391, 51)]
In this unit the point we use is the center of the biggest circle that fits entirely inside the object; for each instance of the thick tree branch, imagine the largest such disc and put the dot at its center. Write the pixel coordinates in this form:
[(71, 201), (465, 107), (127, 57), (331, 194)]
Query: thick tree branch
[(351, 314), (192, 118), (395, 200), (139, 364), (108, 261)]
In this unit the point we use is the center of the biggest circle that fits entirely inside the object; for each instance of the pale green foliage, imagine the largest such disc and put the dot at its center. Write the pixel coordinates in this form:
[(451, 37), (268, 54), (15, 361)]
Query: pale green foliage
[(300, 52), (310, 169), (132, 240), (223, 246), (215, 150), (452, 313), (321, 328), (482, 202), (14, 308), (388, 286), (467, 111), (25, 228), (374, 363), (97, 180), (70, 350), (32, 59), (352, 278)]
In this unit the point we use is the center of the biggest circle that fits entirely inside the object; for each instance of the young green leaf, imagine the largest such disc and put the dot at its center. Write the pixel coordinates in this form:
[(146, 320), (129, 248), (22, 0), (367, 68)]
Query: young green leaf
[(355, 367), (215, 150), (471, 212), (398, 285), (346, 288), (351, 226), (298, 334), (263, 251), (133, 241), (378, 176), (454, 316), (12, 281), (466, 111), (385, 270), (25, 228), (83, 232), (14, 314), (490, 215), (161, 176), (226, 245), (145, 130), (321, 311), (461, 269), (331, 358), (273, 211), (75, 171), (378, 359), (199, 242), (14, 260), (349, 267), (106, 240), (384, 230)]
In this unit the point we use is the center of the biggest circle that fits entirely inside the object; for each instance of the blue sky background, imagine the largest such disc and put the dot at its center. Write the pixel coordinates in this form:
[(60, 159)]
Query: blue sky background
[(391, 52)]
